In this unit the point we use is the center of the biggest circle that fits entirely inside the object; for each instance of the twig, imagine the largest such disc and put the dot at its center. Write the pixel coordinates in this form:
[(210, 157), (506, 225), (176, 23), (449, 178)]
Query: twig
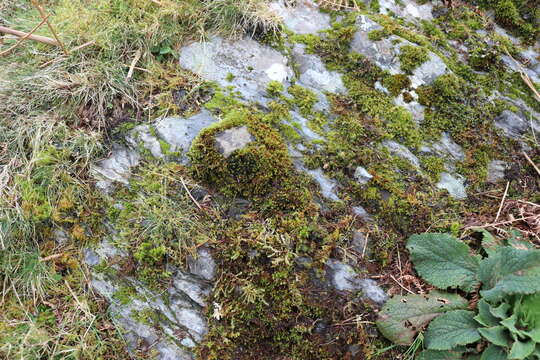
[(524, 76), (133, 63), (39, 38), (531, 162), (502, 201), (365, 245), (45, 17), (403, 287), (80, 47), (500, 223), (189, 193), (51, 257), (7, 51)]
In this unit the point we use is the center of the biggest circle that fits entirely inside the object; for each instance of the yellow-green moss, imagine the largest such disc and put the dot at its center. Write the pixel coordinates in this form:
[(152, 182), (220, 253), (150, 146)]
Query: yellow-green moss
[(411, 57)]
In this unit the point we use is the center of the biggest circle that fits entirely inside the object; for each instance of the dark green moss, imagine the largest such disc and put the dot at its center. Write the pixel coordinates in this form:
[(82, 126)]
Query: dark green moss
[(396, 83)]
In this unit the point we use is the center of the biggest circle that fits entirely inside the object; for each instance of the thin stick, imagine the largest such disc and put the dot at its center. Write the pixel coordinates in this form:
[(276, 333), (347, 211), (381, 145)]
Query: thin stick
[(403, 287), (500, 223), (80, 47), (44, 17), (189, 193), (133, 63), (39, 38), (365, 246), (502, 201), (7, 51), (531, 162), (51, 257)]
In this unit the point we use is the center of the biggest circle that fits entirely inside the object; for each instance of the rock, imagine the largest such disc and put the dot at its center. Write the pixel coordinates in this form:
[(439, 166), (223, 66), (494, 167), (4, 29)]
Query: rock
[(142, 136), (496, 171), (362, 175), (512, 125), (230, 140), (116, 168), (61, 237), (454, 185), (407, 9), (359, 243), (174, 133), (303, 130), (179, 322), (402, 152), (343, 278), (203, 265), (304, 18), (385, 53), (313, 72), (517, 67), (447, 149), (328, 186), (414, 107), (244, 64), (238, 208), (362, 213), (180, 132)]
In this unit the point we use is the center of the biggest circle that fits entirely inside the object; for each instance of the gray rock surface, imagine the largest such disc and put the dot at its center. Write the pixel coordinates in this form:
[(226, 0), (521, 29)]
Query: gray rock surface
[(385, 53), (343, 278), (116, 168), (304, 18), (203, 264), (402, 152), (230, 140), (328, 186), (362, 175), (313, 73), (496, 171), (170, 322), (244, 64), (362, 213), (512, 125), (455, 185)]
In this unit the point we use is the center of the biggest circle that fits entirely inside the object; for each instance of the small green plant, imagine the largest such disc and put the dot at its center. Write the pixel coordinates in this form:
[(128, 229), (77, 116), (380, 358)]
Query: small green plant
[(502, 318), (412, 57)]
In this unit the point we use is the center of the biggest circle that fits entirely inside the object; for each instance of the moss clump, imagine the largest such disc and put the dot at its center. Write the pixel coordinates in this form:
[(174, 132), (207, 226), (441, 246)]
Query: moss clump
[(304, 99), (397, 83), (274, 88), (411, 57), (261, 171)]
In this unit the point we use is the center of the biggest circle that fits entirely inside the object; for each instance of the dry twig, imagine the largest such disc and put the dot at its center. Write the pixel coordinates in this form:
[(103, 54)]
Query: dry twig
[(531, 162), (26, 36), (20, 34), (51, 28)]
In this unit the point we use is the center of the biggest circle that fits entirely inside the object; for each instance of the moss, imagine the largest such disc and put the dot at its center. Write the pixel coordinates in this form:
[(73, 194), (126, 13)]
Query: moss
[(434, 166), (275, 88), (261, 169), (304, 99), (396, 83), (376, 35), (125, 294), (411, 57)]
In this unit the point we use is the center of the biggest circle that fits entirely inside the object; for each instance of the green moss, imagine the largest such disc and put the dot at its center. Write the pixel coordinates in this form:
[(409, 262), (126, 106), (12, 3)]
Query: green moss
[(304, 99), (275, 88), (412, 57), (396, 83), (376, 35), (434, 166), (260, 169), (125, 294)]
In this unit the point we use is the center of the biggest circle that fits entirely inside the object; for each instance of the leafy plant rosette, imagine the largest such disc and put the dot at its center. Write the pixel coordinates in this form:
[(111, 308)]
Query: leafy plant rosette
[(503, 324)]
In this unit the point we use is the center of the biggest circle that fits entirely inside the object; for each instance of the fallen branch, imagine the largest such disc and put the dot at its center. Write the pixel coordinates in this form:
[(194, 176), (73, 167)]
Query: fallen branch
[(51, 28), (26, 36), (134, 62), (30, 36), (51, 257)]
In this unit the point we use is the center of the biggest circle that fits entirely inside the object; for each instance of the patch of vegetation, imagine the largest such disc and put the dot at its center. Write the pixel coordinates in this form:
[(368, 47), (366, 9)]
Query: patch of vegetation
[(504, 320), (411, 57)]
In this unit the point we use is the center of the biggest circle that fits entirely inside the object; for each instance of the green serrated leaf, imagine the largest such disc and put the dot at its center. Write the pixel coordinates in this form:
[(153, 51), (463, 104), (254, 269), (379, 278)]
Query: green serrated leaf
[(510, 324), (456, 327), (500, 311), (439, 355), (403, 316), (489, 243), (493, 352), (484, 316), (520, 350), (509, 271), (496, 335), (443, 261)]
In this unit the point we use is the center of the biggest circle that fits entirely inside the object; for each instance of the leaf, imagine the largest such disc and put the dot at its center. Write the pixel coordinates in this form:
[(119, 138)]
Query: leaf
[(484, 316), (403, 316), (509, 271), (454, 328), (520, 350), (440, 355), (443, 261), (489, 243), (510, 324), (493, 352), (500, 311), (496, 335)]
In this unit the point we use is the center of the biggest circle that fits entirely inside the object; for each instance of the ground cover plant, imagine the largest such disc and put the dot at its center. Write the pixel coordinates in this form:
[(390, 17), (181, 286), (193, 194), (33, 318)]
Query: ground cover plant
[(500, 318)]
